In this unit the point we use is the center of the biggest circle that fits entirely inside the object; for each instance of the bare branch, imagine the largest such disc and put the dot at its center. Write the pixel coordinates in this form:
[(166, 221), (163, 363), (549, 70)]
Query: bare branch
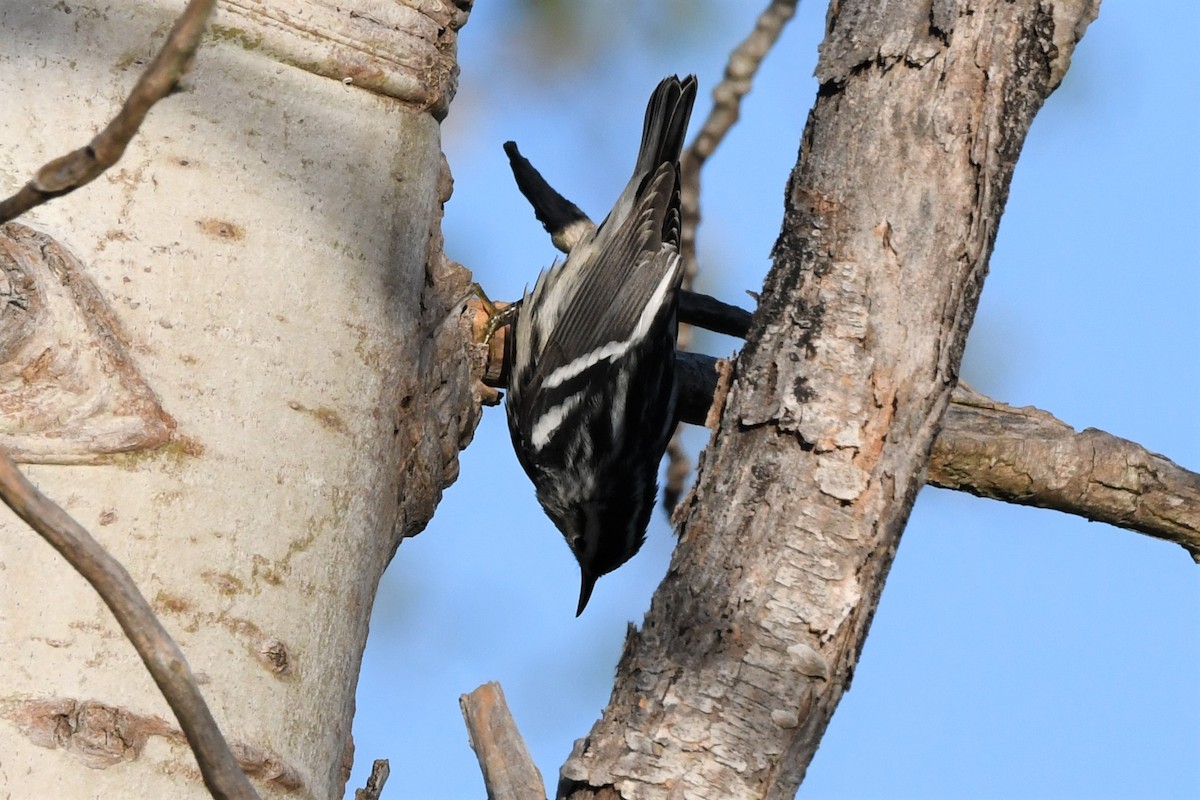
[(380, 770), (563, 220), (508, 770), (727, 96), (712, 314), (1026, 456), (740, 70), (67, 173), (162, 657)]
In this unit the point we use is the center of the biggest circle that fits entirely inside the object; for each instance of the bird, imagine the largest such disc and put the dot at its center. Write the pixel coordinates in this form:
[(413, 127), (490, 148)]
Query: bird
[(591, 354)]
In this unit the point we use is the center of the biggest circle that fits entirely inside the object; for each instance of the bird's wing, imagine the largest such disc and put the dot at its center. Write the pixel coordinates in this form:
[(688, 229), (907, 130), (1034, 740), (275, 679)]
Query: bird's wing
[(614, 287)]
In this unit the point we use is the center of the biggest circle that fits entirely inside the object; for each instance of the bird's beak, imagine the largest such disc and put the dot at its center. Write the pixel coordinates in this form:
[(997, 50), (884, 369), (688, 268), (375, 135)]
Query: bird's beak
[(588, 582)]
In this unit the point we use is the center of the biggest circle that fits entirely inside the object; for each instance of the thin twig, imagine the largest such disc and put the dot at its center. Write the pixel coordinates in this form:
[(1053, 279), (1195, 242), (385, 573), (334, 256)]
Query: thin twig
[(740, 70), (162, 657), (508, 770), (727, 96), (67, 173)]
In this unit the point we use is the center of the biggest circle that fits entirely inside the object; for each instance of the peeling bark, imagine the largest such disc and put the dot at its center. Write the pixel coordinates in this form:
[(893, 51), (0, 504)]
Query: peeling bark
[(835, 402)]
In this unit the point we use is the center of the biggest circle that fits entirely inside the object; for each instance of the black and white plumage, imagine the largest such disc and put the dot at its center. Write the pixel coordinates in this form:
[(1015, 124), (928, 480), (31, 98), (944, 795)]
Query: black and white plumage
[(591, 389)]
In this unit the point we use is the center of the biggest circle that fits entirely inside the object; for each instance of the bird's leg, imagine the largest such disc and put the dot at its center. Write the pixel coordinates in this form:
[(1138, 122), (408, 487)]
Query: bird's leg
[(497, 317)]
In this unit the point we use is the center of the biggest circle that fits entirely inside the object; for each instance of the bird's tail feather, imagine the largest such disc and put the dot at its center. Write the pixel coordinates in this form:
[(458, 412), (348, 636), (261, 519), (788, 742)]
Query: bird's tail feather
[(667, 116)]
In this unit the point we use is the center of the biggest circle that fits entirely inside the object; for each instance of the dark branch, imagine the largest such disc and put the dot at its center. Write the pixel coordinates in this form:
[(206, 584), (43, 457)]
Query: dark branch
[(740, 70), (712, 314), (561, 218)]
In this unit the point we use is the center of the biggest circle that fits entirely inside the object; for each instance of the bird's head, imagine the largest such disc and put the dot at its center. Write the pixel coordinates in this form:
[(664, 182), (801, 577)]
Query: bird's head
[(603, 535)]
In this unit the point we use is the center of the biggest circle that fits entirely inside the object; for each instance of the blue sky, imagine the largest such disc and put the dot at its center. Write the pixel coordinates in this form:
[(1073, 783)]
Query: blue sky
[(1016, 652)]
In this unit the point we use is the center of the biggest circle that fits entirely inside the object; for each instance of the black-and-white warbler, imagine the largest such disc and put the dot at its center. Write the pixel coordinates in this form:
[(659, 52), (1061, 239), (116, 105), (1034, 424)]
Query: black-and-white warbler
[(591, 389)]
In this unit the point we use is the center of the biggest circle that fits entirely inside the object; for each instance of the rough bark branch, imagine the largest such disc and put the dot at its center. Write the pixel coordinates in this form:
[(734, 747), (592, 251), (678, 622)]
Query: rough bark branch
[(508, 770), (158, 651), (373, 790), (1026, 456), (831, 411), (80, 167)]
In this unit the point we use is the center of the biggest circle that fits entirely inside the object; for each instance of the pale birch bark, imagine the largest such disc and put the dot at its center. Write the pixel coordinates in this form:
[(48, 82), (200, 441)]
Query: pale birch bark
[(237, 359)]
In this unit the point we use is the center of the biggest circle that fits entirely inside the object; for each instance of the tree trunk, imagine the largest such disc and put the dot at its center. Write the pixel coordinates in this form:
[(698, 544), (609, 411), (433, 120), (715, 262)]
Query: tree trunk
[(236, 358), (834, 403)]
